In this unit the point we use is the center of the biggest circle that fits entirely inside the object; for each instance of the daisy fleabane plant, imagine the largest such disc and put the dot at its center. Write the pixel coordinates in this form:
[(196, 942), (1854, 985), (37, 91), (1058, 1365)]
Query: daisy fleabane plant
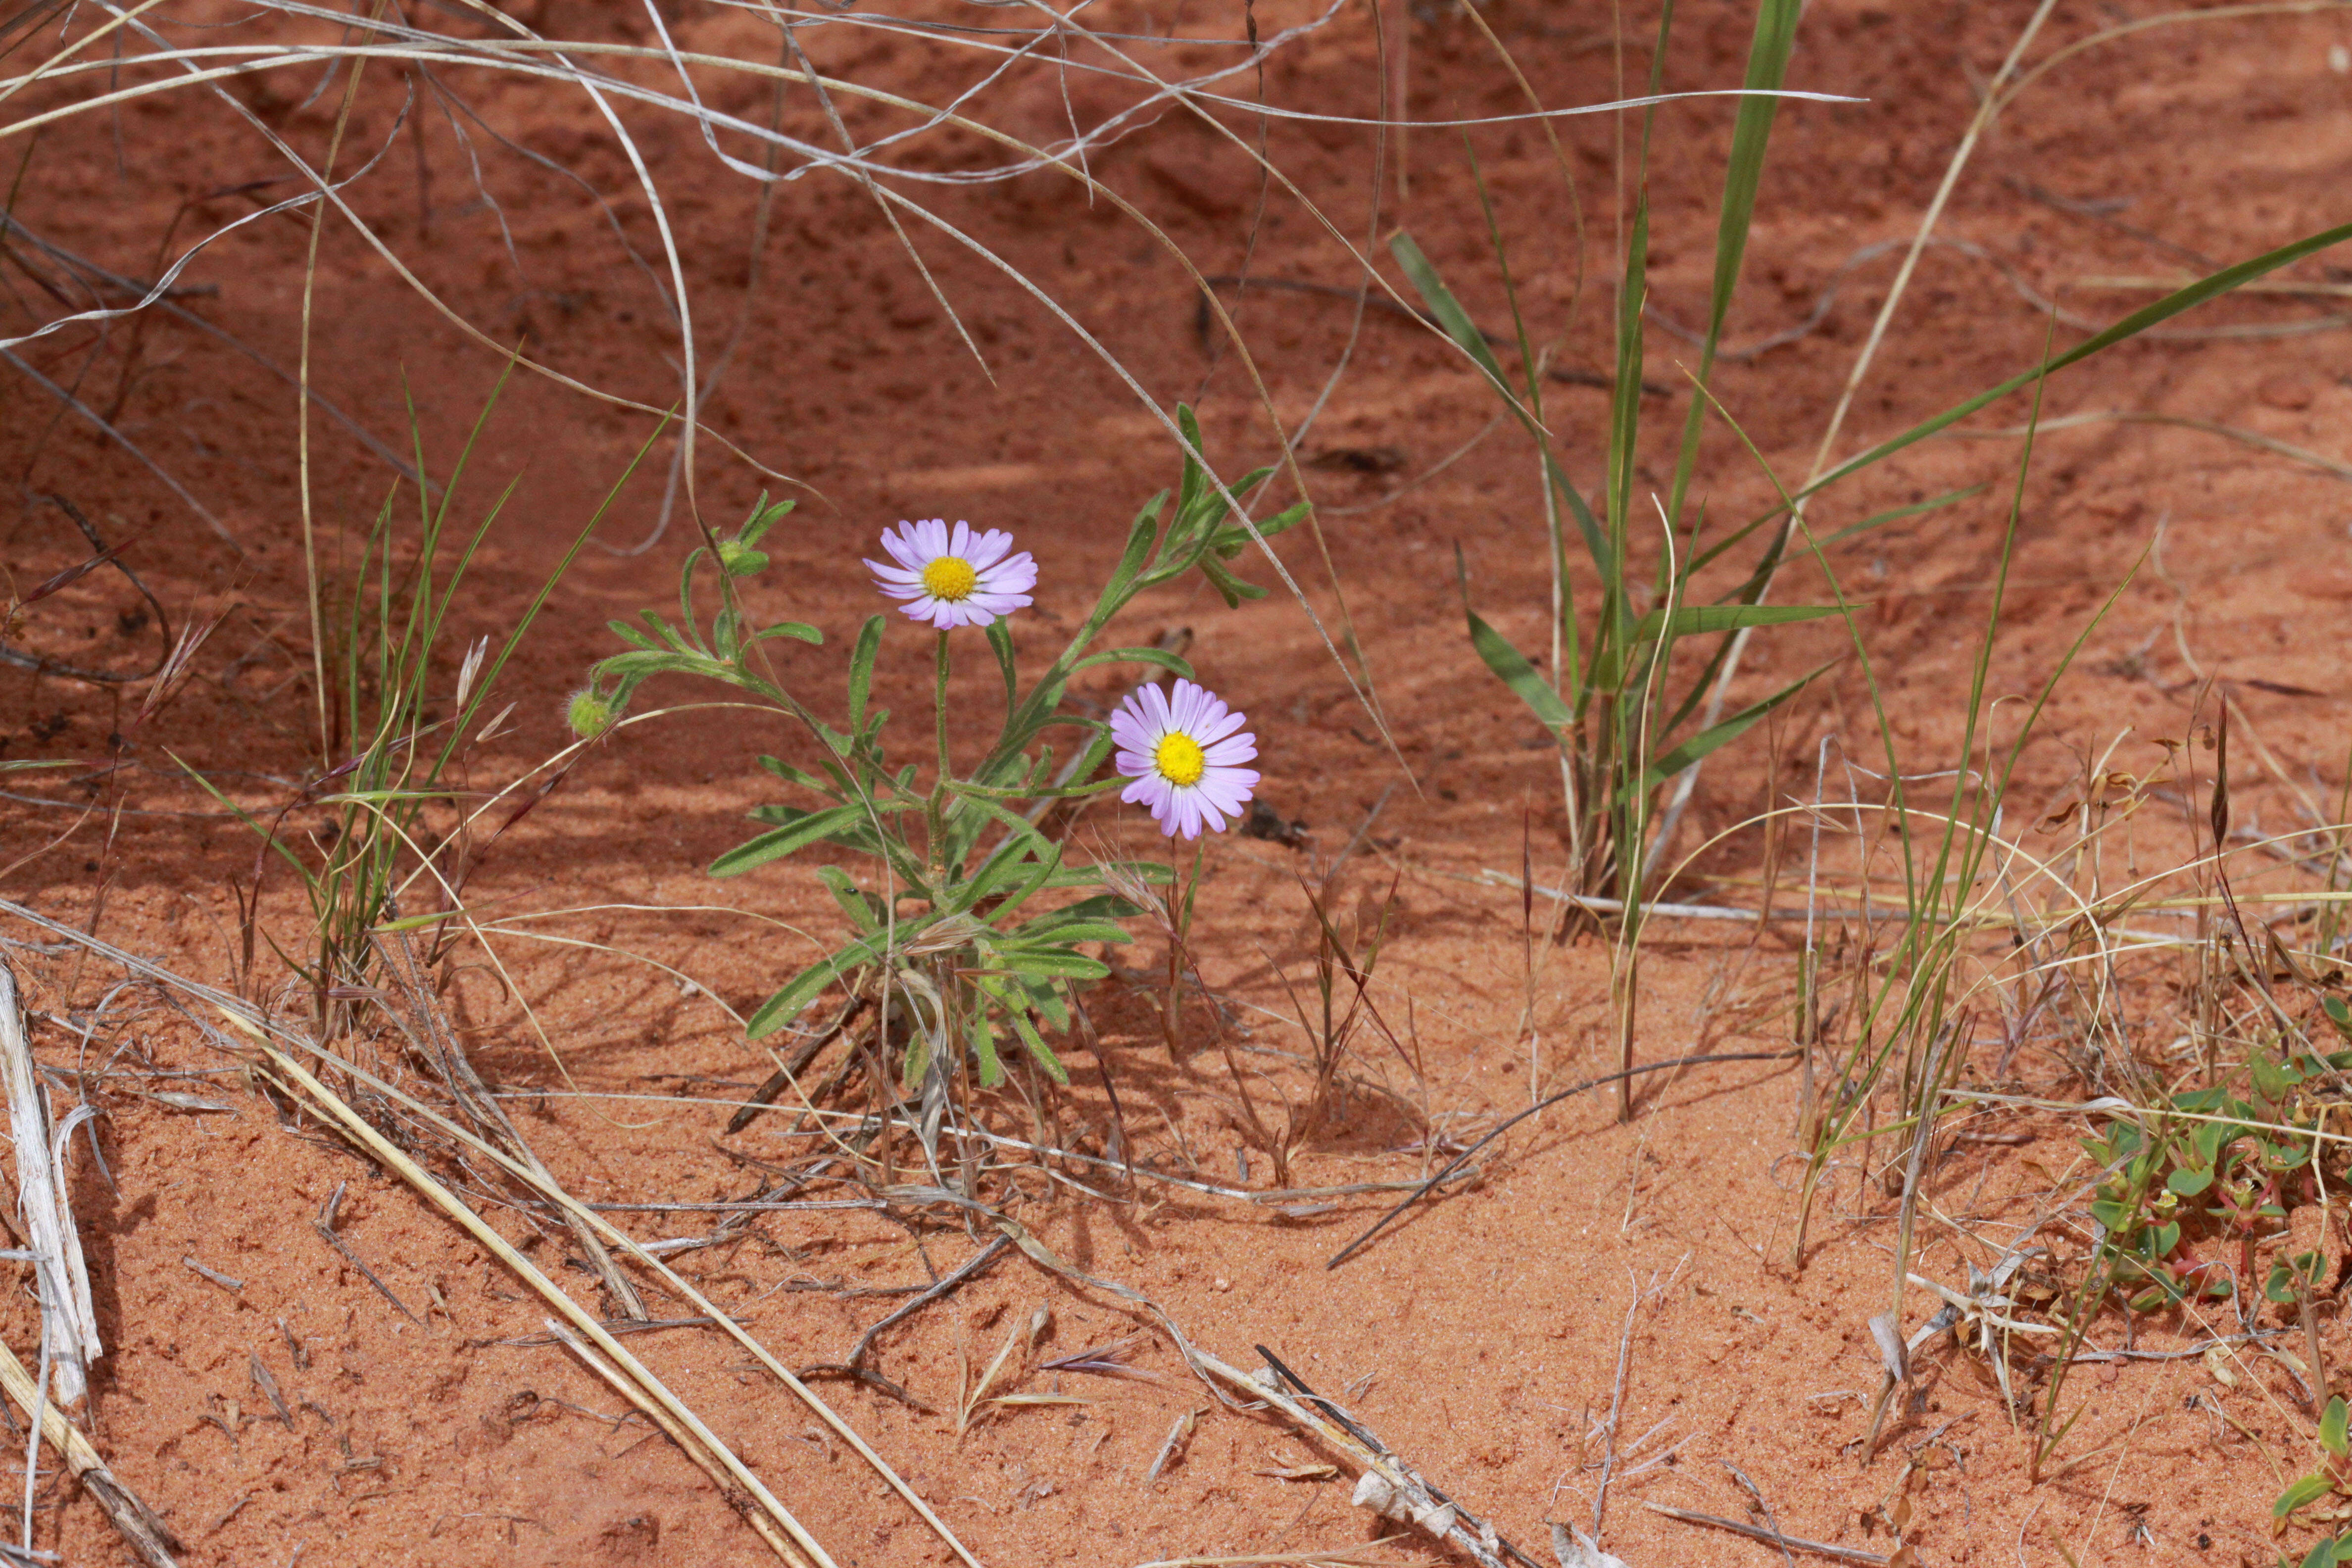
[(954, 577), (970, 921), (1185, 758)]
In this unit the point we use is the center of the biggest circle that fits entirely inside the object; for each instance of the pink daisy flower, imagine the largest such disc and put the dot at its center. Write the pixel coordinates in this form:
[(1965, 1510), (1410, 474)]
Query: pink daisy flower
[(1184, 757), (956, 578)]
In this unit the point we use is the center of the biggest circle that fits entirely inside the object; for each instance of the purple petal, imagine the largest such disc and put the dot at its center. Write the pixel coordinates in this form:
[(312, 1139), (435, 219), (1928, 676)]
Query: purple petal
[(1017, 575), (1217, 729), (1226, 754)]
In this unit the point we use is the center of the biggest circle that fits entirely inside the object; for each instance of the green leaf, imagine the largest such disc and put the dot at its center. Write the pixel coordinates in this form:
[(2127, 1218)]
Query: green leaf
[(2332, 1428), (1055, 928), (1512, 668), (1020, 863), (812, 827), (1698, 620), (1000, 643), (655, 662), (1722, 734), (791, 774), (1045, 999), (1229, 588), (2210, 287), (1445, 309), (1052, 963), (764, 518), (2338, 1015), (1160, 657), (738, 559), (2306, 1490), (984, 1046), (799, 631), (861, 670), (2274, 1079), (1880, 519), (1228, 542), (1037, 1047), (1140, 535), (2189, 1183), (784, 1005), (853, 901)]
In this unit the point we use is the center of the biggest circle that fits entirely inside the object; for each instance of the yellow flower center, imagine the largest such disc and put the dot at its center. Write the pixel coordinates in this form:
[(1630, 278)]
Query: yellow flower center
[(951, 578), (1179, 759)]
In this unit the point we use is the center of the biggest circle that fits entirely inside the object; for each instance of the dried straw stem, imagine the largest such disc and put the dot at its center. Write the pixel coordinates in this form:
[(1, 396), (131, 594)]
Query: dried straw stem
[(141, 1526)]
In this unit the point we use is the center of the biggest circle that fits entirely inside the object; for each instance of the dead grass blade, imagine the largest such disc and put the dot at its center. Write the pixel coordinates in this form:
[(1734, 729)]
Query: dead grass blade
[(293, 1078), (242, 1017), (68, 1319), (1786, 1542), (694, 1450), (1180, 1436), (142, 1527), (1022, 1339)]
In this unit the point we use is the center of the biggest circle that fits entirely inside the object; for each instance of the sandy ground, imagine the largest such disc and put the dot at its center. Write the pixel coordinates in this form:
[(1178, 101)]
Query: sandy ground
[(1643, 1266)]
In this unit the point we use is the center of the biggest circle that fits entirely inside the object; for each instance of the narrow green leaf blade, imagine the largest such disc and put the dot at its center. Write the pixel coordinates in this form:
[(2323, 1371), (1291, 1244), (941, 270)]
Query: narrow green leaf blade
[(773, 846)]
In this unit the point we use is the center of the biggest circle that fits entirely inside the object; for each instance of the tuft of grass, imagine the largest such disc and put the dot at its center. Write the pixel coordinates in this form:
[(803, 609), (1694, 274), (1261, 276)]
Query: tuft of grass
[(392, 778)]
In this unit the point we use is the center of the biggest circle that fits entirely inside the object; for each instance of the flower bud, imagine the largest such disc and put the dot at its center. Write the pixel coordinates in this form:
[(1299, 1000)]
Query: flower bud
[(738, 559), (589, 712)]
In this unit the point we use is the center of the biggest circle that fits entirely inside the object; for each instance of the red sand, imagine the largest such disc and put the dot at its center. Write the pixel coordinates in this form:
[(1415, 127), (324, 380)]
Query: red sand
[(1481, 1338)]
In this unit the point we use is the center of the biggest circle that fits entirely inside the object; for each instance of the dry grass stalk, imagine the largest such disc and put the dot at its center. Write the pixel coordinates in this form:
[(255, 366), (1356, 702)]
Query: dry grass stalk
[(293, 1076), (1023, 1339), (433, 1034), (68, 1319), (1385, 1483), (243, 1019), (694, 1448), (1786, 1542), (145, 1531), (556, 1194), (1179, 1437)]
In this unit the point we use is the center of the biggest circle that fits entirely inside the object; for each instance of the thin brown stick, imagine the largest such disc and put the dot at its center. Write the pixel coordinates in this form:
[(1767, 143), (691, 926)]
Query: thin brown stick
[(1772, 1537), (325, 1226), (789, 1073), (293, 1076)]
